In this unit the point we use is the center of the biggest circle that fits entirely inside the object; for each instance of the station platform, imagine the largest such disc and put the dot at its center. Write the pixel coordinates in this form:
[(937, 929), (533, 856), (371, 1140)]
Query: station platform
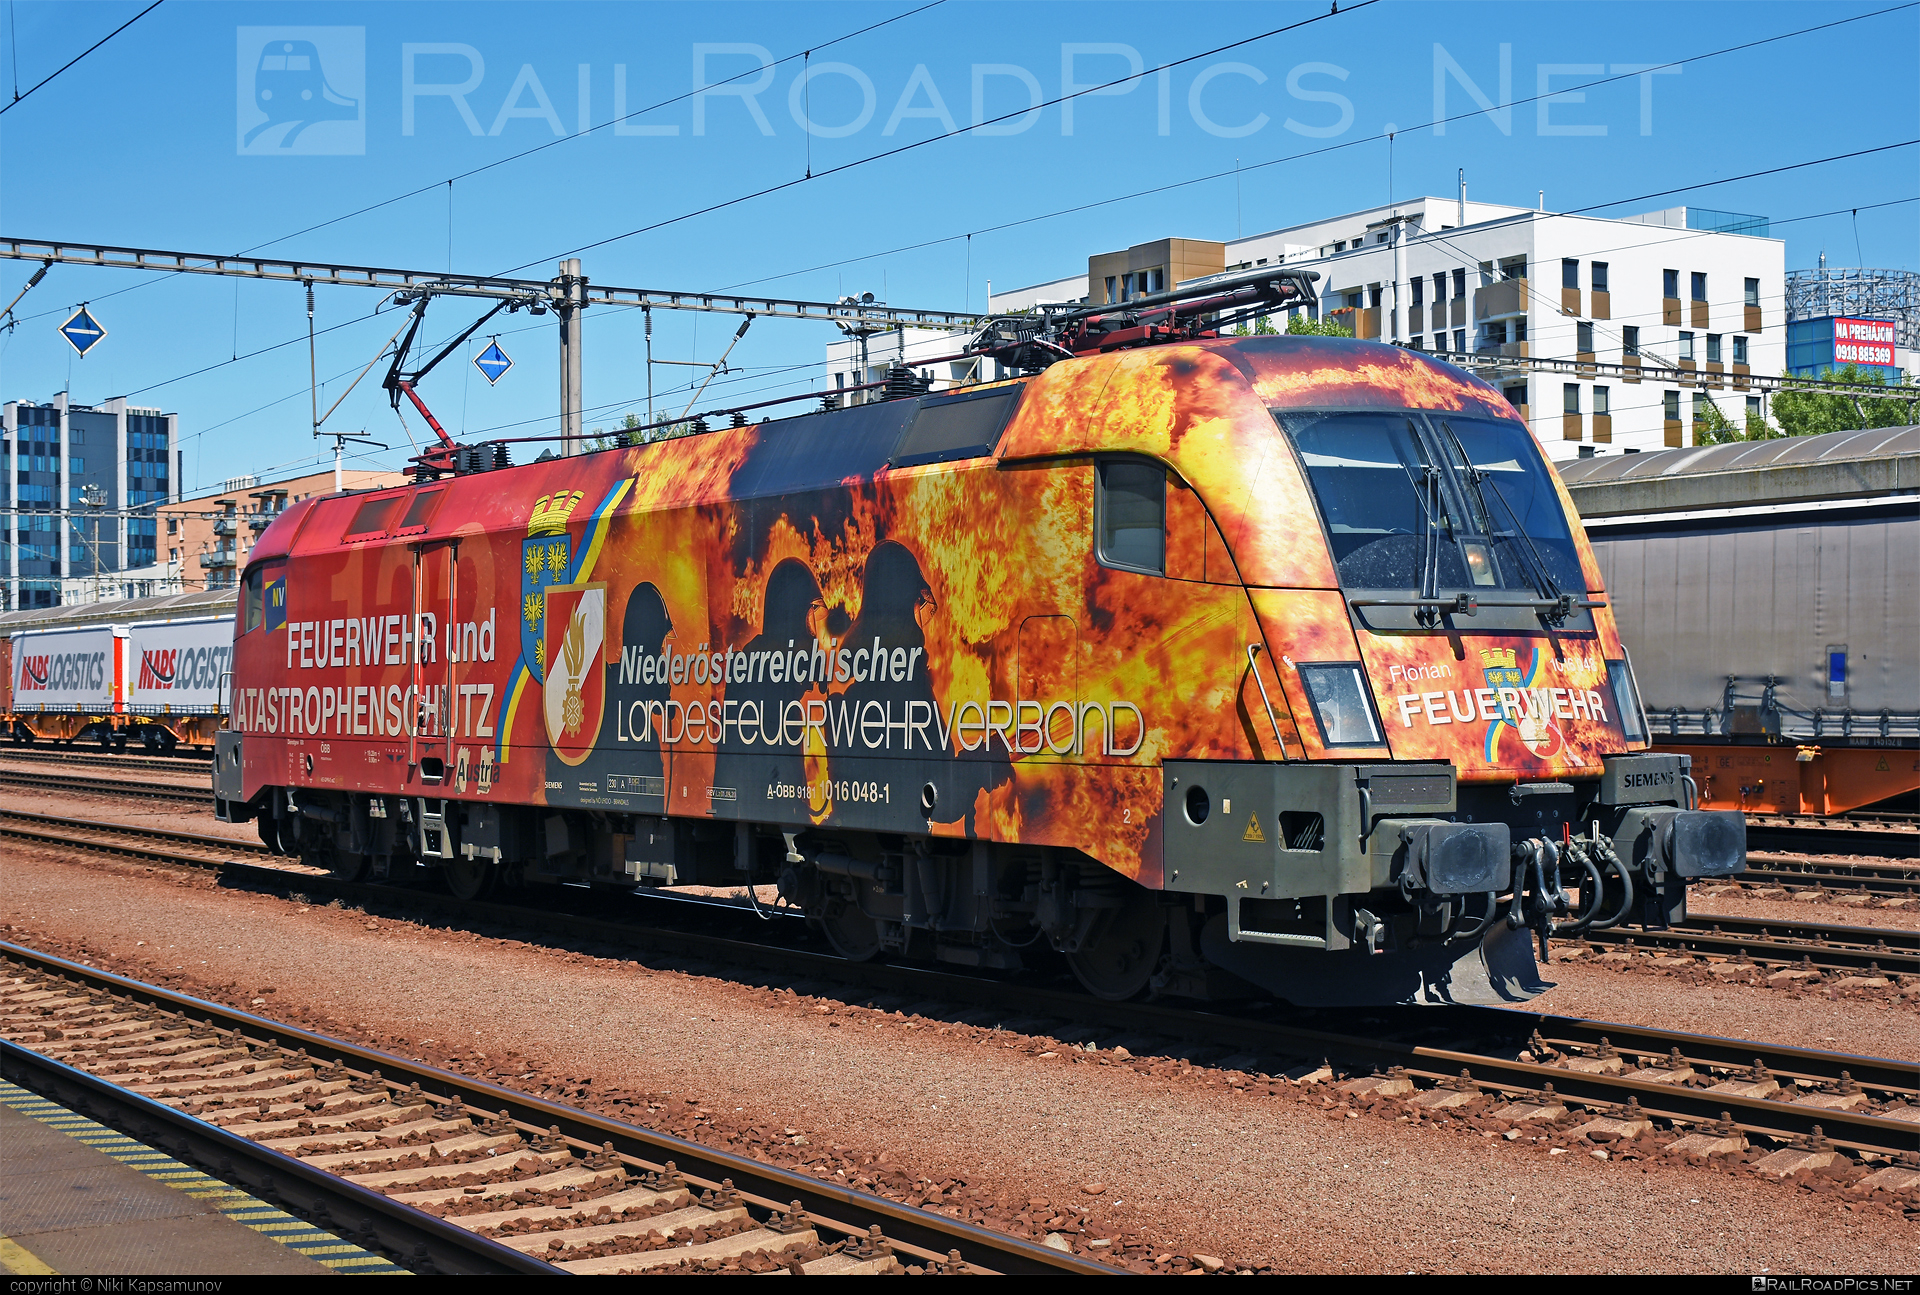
[(77, 1197)]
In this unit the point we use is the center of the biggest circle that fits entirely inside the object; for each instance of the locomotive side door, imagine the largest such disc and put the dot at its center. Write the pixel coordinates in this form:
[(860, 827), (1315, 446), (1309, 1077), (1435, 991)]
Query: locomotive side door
[(431, 682)]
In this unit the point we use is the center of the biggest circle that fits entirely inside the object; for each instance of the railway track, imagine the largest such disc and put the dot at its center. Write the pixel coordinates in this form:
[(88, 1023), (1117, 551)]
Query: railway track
[(195, 765), (1868, 950), (1876, 837), (427, 1164), (35, 781), (1775, 1092), (1847, 876)]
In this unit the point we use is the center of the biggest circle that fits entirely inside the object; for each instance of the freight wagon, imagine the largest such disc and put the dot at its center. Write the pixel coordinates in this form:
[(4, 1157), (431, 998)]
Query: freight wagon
[(1768, 591), (150, 671)]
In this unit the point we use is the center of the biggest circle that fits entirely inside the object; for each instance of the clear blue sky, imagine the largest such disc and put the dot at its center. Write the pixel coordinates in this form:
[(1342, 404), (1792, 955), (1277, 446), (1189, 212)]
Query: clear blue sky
[(145, 143)]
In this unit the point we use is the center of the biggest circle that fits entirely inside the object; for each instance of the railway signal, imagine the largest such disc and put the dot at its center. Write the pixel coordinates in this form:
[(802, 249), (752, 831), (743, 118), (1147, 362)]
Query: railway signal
[(82, 331), (493, 362)]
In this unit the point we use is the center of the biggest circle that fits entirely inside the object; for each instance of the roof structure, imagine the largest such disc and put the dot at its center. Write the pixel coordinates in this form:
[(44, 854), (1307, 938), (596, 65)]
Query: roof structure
[(200, 602), (1880, 463)]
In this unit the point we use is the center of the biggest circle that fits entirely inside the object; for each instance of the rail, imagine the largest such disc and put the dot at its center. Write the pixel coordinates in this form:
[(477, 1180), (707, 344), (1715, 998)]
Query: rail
[(1791, 1113), (783, 1202)]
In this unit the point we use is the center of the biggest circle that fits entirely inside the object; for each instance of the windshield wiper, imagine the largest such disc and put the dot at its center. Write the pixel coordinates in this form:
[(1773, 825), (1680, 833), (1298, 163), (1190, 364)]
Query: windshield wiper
[(1544, 584)]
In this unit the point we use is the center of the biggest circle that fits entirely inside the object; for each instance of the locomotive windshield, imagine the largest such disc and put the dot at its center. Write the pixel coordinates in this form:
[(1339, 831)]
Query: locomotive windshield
[(1435, 502)]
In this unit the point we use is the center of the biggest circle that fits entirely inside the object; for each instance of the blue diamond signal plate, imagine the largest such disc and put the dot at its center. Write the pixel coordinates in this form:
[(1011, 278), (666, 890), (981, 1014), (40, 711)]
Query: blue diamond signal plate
[(82, 331), (493, 362)]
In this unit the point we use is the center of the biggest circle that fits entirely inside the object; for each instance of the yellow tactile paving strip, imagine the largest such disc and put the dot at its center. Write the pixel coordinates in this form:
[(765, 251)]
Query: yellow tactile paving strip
[(275, 1224)]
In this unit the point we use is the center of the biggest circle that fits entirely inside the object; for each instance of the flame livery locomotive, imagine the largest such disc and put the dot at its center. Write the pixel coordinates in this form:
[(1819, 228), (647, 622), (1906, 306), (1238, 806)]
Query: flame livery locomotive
[(1272, 665)]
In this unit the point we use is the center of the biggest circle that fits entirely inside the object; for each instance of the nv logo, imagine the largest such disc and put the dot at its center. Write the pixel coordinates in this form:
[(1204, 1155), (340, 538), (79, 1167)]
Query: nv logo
[(1253, 832)]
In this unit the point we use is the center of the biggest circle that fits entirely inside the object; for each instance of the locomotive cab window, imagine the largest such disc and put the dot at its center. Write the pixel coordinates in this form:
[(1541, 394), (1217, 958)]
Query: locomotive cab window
[(259, 584), (254, 605), (1130, 514), (1436, 502)]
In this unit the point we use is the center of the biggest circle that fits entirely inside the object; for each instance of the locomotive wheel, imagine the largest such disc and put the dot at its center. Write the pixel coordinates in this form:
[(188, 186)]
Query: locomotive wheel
[(853, 935), (468, 878), (1120, 960), (345, 865)]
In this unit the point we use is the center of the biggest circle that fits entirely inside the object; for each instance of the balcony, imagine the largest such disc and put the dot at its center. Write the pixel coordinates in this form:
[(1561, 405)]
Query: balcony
[(258, 522), (1363, 320), (220, 559), (226, 527), (1500, 300)]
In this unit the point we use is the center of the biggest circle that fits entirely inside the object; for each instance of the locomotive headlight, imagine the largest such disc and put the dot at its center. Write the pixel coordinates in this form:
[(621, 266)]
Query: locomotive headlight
[(1479, 562)]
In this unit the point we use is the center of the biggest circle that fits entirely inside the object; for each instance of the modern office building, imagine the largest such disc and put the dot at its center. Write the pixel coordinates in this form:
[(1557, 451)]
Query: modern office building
[(1688, 302), (82, 486)]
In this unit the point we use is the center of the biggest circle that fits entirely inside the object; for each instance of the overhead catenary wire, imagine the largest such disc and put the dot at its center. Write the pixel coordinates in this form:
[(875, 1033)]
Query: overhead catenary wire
[(1696, 58), (513, 157), (911, 146), (1175, 185), (19, 95)]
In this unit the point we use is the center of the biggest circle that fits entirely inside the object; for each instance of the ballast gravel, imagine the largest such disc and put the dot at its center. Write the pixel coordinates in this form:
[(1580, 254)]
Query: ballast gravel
[(1173, 1165)]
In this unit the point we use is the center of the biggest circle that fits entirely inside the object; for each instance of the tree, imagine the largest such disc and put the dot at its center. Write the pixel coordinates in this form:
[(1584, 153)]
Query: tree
[(1299, 324), (1711, 427), (1808, 413)]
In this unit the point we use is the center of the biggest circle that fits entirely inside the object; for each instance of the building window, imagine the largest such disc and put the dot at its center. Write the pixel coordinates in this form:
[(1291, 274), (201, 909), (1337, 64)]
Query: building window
[(1599, 276), (1494, 334), (1517, 396), (1419, 287), (1739, 350), (1753, 292), (1630, 340), (1583, 338), (1459, 285), (1699, 286), (1713, 348), (1418, 343), (1440, 286), (1686, 346), (1339, 247), (1602, 401), (1569, 274), (1459, 337), (1670, 283), (1671, 402), (1379, 238), (1112, 292), (1570, 398), (1753, 408)]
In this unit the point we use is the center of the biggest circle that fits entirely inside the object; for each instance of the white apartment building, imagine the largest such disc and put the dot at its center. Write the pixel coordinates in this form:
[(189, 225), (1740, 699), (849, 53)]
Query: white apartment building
[(1657, 315)]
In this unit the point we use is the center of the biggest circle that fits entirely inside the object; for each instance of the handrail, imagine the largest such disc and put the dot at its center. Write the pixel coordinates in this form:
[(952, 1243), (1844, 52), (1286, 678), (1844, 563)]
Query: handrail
[(1253, 650)]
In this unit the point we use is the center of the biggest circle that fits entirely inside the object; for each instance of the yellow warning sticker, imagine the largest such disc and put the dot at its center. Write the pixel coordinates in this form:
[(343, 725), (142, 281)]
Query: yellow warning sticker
[(1882, 766), (1253, 832)]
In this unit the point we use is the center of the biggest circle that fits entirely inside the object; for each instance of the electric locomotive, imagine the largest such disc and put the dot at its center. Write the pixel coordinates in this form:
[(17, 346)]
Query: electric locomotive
[(1222, 666)]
